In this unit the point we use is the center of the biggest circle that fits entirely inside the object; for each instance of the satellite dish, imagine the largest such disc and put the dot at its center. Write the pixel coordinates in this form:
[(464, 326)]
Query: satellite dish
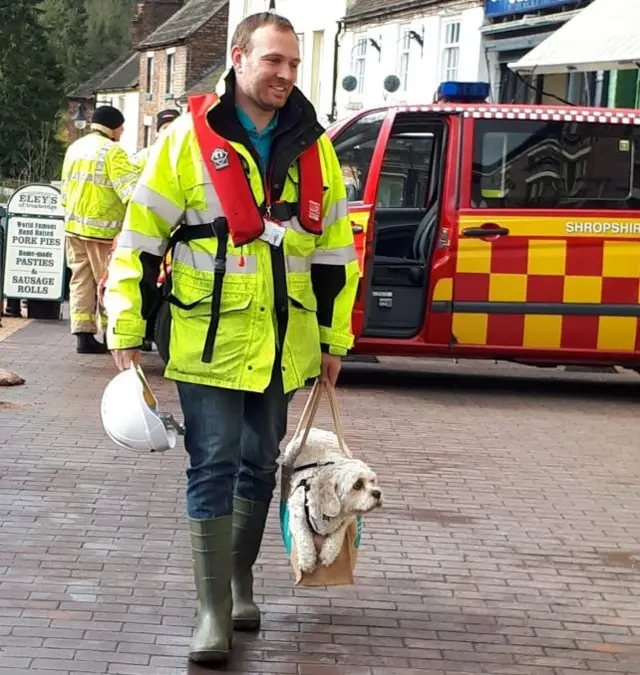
[(350, 83), (392, 83)]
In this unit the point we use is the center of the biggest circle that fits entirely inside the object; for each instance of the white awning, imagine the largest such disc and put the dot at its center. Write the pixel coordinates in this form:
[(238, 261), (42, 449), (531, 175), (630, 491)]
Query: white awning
[(603, 36)]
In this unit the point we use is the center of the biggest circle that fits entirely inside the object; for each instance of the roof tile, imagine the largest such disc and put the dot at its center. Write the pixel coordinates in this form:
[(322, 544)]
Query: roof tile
[(183, 23)]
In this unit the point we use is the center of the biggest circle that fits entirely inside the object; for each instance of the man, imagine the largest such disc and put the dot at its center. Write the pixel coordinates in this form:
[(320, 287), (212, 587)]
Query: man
[(238, 347), (97, 182), (163, 120)]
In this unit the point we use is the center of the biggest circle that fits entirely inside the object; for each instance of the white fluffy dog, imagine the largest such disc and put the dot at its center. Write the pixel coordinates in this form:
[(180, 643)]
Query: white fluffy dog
[(328, 489)]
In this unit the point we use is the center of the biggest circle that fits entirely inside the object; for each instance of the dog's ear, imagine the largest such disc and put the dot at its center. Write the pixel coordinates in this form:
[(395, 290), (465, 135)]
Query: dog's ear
[(329, 498)]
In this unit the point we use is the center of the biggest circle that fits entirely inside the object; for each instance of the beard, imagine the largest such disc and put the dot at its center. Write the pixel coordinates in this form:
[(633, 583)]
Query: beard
[(272, 96)]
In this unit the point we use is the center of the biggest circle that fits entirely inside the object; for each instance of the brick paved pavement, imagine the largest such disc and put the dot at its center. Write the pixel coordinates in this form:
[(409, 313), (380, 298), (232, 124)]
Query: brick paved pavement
[(509, 545)]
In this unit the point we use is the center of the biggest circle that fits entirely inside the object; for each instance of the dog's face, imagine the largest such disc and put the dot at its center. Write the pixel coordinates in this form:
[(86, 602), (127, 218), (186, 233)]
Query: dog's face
[(351, 489)]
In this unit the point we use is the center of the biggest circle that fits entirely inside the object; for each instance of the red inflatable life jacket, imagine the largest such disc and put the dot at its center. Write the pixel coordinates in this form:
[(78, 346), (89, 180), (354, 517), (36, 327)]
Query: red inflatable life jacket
[(245, 218)]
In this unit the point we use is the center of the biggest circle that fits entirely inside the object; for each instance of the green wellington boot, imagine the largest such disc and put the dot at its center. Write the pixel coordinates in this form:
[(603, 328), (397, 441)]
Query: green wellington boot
[(211, 548), (249, 519)]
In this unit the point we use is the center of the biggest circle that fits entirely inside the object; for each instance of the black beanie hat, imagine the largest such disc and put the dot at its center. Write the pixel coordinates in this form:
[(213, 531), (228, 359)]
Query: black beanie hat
[(108, 116), (165, 116)]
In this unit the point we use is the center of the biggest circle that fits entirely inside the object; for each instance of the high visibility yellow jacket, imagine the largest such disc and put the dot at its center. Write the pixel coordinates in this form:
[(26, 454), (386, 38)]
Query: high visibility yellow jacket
[(139, 160), (98, 180), (319, 276)]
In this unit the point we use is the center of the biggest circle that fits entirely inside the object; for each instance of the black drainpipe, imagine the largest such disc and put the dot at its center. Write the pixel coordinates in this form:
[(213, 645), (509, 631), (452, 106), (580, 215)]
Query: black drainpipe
[(336, 48)]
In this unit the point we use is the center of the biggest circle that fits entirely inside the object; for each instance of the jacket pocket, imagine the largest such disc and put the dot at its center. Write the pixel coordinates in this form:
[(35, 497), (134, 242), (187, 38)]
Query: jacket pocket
[(191, 289), (303, 333), (302, 297), (233, 336), (230, 302)]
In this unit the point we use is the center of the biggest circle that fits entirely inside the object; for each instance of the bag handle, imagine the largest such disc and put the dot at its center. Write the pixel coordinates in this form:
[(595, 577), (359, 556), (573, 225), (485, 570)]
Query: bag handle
[(311, 408), (308, 413)]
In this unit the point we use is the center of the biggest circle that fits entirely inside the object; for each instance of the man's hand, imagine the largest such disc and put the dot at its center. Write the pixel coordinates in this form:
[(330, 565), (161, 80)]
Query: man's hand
[(125, 357), (331, 366)]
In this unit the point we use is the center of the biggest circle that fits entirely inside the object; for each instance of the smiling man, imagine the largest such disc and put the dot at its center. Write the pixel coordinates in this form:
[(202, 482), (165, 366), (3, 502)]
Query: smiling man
[(246, 193)]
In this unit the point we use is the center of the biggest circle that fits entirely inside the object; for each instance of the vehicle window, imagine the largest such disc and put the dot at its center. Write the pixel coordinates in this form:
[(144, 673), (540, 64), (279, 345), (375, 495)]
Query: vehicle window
[(354, 147), (554, 164), (406, 169)]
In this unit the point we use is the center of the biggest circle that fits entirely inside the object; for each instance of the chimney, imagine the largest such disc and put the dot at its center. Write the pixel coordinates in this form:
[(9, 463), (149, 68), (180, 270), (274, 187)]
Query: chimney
[(150, 15)]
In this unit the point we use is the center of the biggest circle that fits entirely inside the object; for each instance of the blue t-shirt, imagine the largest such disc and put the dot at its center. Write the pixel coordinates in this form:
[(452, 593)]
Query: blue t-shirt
[(261, 140)]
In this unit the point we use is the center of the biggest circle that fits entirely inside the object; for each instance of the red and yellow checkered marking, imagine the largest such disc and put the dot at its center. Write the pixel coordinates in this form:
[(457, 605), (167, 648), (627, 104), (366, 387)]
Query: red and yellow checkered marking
[(555, 261)]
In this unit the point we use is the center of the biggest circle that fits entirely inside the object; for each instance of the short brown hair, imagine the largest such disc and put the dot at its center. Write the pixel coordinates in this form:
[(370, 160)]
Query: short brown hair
[(248, 26)]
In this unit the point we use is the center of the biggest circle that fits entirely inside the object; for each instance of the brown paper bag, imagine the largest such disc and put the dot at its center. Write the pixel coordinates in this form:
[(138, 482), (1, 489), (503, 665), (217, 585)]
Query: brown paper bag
[(341, 571)]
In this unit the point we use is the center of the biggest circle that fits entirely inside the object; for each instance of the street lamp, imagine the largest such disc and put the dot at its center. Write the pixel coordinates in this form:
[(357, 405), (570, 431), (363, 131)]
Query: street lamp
[(80, 121)]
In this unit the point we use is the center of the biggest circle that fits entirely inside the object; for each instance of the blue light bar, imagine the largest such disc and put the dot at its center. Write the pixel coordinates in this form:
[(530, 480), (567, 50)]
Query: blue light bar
[(464, 92)]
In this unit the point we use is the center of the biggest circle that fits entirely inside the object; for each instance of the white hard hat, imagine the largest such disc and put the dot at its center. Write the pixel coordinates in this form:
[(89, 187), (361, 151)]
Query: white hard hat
[(131, 417)]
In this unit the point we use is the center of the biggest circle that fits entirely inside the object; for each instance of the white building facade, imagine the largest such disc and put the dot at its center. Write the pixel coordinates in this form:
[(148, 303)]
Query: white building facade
[(120, 89), (420, 43), (316, 23)]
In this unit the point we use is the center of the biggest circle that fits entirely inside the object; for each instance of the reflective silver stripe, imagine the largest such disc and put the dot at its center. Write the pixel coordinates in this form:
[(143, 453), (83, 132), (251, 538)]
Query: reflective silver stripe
[(297, 264), (87, 177), (204, 261), (101, 159), (130, 177), (127, 193), (94, 222), (334, 256), (141, 242), (155, 202), (213, 210), (294, 224), (338, 210)]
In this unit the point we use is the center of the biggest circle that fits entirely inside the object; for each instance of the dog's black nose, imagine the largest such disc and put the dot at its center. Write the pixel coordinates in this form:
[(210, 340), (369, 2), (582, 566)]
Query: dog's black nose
[(376, 494)]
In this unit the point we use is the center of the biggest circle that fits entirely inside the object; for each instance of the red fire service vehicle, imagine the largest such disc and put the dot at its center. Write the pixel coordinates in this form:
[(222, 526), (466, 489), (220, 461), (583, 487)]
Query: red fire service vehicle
[(495, 231)]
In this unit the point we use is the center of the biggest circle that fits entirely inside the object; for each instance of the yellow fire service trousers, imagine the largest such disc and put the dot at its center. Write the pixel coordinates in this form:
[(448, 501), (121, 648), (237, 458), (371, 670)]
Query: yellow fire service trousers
[(87, 259)]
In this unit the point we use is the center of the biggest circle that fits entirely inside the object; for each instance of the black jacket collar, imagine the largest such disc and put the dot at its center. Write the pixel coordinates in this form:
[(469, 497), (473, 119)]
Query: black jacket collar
[(298, 114), (298, 128)]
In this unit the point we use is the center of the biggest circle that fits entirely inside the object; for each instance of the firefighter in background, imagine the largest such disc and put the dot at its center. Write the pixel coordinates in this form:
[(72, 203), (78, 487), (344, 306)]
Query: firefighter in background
[(263, 282), (98, 180), (163, 120)]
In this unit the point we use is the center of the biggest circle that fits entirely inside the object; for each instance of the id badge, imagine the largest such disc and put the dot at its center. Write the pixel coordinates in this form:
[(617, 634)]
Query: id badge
[(273, 232)]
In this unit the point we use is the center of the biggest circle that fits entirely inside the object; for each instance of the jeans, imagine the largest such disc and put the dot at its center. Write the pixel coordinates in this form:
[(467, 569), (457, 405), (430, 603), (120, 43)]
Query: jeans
[(233, 440)]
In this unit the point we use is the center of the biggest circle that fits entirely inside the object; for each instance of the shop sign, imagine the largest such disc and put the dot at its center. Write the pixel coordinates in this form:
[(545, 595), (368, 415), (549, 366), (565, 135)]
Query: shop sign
[(34, 260), (505, 7)]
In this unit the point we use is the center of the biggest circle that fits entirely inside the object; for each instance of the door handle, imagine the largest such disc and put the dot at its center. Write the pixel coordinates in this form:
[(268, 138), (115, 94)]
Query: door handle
[(486, 230), (357, 229)]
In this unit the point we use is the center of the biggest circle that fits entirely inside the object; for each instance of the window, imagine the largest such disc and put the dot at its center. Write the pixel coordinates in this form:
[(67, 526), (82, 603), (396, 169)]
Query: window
[(121, 103), (300, 78), (406, 167), (547, 165), (171, 66), (409, 166), (405, 52), (147, 135), (150, 63), (451, 53), (354, 148), (316, 63), (359, 61)]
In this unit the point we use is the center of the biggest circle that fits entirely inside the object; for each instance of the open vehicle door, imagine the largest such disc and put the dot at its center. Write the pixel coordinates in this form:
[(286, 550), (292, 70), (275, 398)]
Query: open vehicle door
[(360, 144)]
